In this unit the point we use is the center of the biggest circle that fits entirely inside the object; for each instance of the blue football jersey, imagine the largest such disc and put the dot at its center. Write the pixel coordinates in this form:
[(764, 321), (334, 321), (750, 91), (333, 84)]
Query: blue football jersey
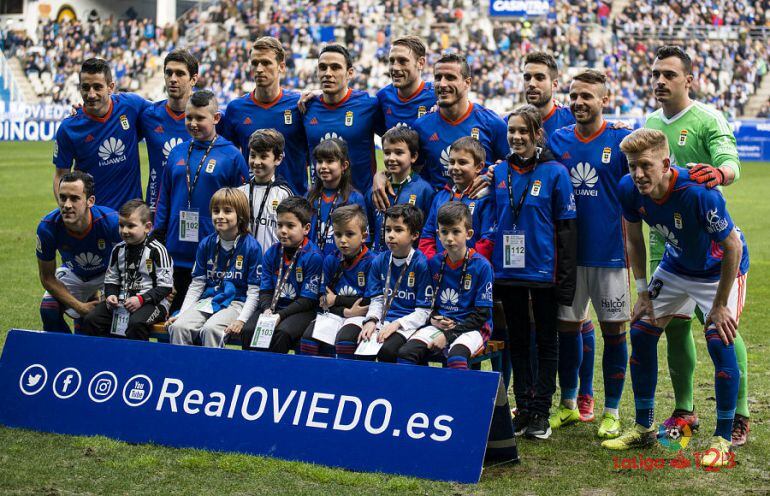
[(321, 224), (246, 114), (240, 266), (162, 129), (397, 111), (691, 218), (596, 166), (88, 255), (461, 292), (415, 289), (437, 135), (547, 197), (105, 147), (348, 277), (557, 118), (415, 191), (304, 280), (355, 119)]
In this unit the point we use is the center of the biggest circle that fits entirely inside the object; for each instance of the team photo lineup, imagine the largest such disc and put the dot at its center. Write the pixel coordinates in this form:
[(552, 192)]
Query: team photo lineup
[(268, 225)]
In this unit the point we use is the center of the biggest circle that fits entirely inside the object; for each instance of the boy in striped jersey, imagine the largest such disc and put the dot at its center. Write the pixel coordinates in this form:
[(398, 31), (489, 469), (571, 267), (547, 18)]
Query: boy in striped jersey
[(138, 280)]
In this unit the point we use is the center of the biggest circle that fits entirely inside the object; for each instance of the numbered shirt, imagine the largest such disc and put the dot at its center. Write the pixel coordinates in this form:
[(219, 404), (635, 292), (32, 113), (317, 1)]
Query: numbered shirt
[(482, 212), (321, 221), (86, 255), (162, 129), (691, 218), (415, 289), (303, 281), (240, 266), (548, 197), (105, 147), (351, 280), (461, 293), (246, 114), (397, 111), (355, 120), (437, 135), (596, 166), (415, 191)]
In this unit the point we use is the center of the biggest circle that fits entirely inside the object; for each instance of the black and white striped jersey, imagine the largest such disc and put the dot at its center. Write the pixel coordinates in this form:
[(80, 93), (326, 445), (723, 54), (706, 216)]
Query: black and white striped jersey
[(144, 270), (263, 219)]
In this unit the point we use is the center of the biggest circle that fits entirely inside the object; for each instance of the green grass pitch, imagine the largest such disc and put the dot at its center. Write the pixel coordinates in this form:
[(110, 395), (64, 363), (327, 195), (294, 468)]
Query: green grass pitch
[(571, 462)]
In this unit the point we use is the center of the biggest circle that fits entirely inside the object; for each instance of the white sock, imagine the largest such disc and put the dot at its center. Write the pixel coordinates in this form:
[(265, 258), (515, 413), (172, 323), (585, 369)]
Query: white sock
[(613, 411)]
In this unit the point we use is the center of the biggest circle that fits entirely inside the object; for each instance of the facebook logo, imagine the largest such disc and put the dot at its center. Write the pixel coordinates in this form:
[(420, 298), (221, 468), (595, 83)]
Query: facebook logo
[(66, 383)]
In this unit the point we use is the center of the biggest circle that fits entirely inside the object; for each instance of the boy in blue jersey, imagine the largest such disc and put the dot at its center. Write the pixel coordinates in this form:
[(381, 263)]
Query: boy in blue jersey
[(704, 266), (341, 112), (343, 284), (400, 147), (466, 160), (102, 138), (291, 280), (270, 106), (591, 151), (461, 317), (84, 235), (163, 122), (197, 169)]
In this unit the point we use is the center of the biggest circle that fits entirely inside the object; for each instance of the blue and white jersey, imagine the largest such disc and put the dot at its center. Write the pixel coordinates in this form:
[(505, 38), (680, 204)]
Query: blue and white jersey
[(691, 218), (240, 266), (348, 277), (461, 292), (414, 290), (482, 212), (355, 119), (414, 191), (246, 114), (437, 135), (105, 147), (321, 228), (596, 166), (162, 129), (88, 254), (304, 280), (397, 111)]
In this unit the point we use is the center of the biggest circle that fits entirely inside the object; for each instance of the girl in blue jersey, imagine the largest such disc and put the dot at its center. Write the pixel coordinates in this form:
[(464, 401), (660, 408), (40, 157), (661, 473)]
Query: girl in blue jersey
[(225, 278), (534, 258), (332, 187)]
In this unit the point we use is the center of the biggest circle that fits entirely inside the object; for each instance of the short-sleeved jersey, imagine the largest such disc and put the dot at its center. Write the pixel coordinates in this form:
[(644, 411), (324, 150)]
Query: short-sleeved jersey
[(437, 135), (263, 202), (304, 280), (355, 119), (86, 255), (224, 166), (548, 197), (595, 166), (698, 134), (105, 147), (482, 211), (348, 277), (162, 129), (414, 190), (321, 228), (415, 289), (240, 266), (246, 114), (461, 292), (691, 218), (397, 111)]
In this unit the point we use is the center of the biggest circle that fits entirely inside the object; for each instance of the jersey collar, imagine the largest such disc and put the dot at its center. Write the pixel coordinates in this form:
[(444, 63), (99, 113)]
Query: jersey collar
[(456, 265), (589, 139), (174, 115), (105, 117), (553, 111), (676, 117), (267, 105), (459, 119), (410, 97), (85, 233), (338, 104), (671, 184)]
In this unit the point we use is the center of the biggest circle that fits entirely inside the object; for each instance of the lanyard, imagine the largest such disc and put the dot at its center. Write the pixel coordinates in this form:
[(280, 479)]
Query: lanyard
[(461, 194), (395, 202), (389, 301), (282, 276), (338, 273), (321, 237), (228, 260), (191, 185), (131, 274), (516, 209), (258, 218), (441, 277)]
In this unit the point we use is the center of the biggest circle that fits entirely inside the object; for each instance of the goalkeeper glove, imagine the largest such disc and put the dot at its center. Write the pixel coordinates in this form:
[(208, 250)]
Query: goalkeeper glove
[(708, 174)]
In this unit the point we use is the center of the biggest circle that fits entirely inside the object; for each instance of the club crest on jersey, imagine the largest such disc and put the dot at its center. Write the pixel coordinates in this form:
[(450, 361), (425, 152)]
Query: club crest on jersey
[(239, 262), (101, 243), (275, 204), (536, 188), (421, 110), (678, 220), (148, 264), (287, 117), (361, 279), (475, 133), (39, 244), (682, 137), (210, 166), (410, 280), (349, 118), (298, 272), (472, 207), (124, 122), (467, 282), (606, 155), (412, 199)]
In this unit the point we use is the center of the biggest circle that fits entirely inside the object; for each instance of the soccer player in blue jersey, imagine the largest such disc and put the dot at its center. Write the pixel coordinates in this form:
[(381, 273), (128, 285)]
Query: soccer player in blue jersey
[(84, 235), (456, 117), (704, 265), (541, 79), (102, 138), (400, 147), (163, 122), (197, 169), (344, 113), (270, 106), (591, 151)]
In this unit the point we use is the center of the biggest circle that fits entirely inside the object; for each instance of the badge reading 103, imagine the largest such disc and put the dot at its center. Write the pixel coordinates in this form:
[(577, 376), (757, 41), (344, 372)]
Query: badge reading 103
[(514, 249), (349, 118)]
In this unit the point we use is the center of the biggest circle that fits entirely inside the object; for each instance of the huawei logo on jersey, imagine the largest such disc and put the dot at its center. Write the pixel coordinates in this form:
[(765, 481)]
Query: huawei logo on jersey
[(313, 121), (433, 137), (89, 138), (247, 120), (347, 291), (288, 292), (88, 261), (445, 159), (583, 173), (112, 151), (169, 145), (449, 297), (330, 136)]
